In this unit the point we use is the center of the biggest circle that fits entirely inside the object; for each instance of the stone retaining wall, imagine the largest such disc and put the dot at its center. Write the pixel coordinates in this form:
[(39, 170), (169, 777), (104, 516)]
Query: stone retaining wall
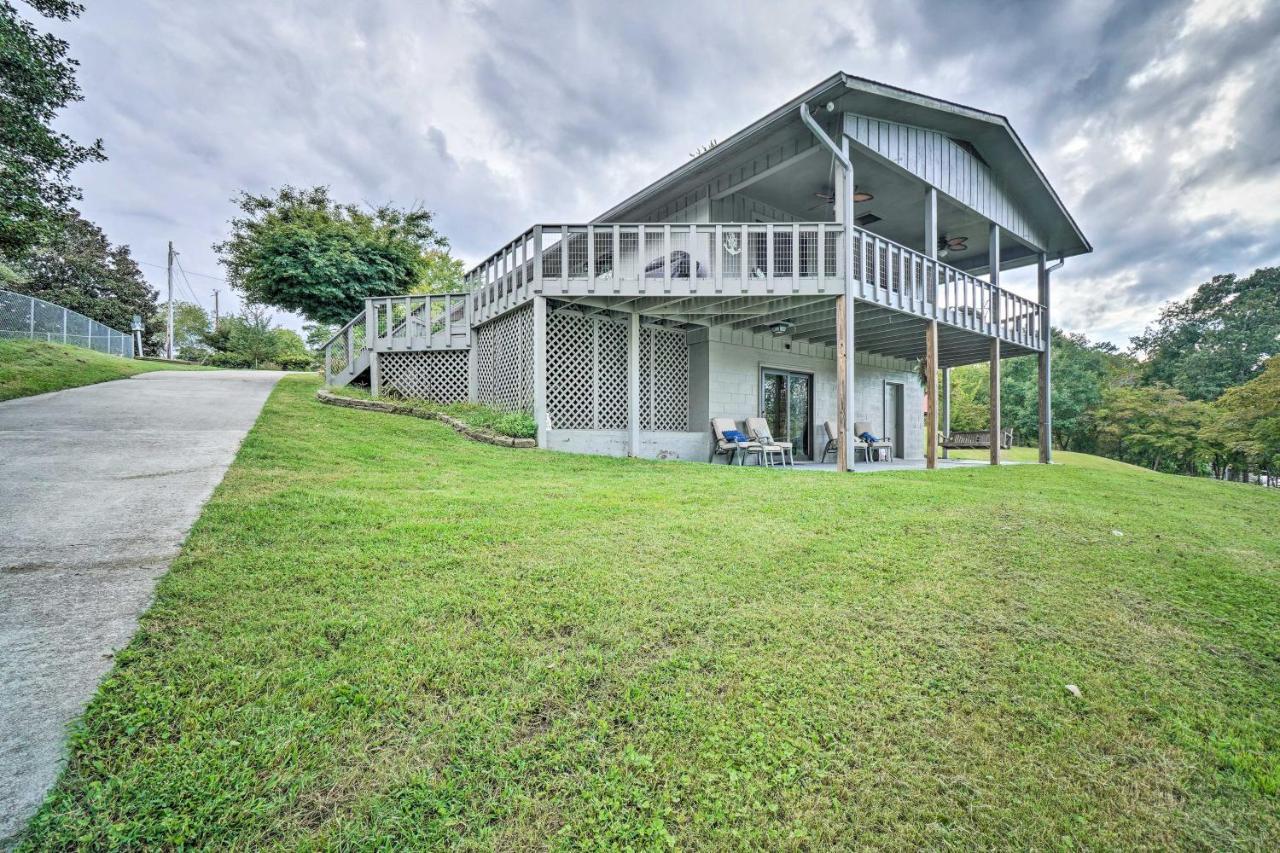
[(392, 408)]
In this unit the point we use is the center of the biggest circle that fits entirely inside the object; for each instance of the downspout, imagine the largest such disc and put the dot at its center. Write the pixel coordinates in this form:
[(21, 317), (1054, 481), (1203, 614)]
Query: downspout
[(845, 164), (848, 422)]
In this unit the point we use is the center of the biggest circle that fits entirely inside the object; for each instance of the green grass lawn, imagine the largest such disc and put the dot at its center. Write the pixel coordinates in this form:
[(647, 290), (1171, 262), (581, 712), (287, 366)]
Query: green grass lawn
[(36, 367), (380, 634)]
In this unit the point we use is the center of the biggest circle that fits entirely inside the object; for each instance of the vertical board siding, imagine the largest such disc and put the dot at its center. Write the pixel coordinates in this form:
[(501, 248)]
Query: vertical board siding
[(938, 160)]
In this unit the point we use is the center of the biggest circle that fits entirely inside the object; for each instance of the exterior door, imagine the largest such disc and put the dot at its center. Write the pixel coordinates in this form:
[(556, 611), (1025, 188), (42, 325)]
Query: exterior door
[(895, 417), (786, 404)]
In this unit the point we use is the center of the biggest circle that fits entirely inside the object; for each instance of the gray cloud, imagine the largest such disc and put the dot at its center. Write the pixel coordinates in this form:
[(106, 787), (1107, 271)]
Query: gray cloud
[(1155, 121)]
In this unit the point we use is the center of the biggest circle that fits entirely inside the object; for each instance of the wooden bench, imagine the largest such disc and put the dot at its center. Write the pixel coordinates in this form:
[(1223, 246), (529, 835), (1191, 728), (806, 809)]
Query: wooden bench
[(974, 440)]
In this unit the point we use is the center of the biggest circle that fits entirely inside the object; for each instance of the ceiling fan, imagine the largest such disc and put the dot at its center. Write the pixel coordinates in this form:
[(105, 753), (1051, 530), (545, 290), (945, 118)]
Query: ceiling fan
[(947, 245), (828, 197)]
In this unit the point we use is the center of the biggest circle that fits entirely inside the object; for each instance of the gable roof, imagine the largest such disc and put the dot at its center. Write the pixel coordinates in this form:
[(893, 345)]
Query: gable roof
[(990, 134)]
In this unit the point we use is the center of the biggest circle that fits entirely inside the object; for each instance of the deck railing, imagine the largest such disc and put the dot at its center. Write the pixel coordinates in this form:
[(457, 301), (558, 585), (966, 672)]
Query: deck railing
[(344, 348), (418, 322), (708, 259), (893, 275)]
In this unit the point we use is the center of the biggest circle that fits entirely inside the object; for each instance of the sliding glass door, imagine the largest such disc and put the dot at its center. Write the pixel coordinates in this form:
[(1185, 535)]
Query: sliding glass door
[(786, 404)]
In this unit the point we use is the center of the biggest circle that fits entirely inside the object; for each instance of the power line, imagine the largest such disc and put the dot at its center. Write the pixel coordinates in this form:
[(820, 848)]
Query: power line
[(200, 274), (187, 282)]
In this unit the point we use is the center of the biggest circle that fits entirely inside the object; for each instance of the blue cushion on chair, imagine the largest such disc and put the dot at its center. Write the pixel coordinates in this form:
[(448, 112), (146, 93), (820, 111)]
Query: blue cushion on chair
[(868, 438), (735, 435)]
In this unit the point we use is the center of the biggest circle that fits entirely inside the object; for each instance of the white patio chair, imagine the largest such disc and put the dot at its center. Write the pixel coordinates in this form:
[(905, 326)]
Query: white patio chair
[(885, 441), (833, 439), (758, 429), (723, 446)]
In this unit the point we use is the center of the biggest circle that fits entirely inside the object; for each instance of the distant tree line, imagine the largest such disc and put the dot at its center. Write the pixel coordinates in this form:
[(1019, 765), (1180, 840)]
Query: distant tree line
[(1197, 393), (47, 249), (297, 250)]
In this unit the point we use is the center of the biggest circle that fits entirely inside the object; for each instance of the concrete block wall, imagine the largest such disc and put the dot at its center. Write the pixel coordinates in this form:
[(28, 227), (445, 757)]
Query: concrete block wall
[(730, 385)]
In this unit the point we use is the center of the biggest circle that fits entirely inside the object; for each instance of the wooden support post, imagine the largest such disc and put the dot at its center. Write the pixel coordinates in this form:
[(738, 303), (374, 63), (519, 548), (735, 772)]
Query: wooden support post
[(540, 367), (946, 408), (845, 401), (633, 386), (1044, 363), (375, 380), (846, 404), (931, 384), (995, 401)]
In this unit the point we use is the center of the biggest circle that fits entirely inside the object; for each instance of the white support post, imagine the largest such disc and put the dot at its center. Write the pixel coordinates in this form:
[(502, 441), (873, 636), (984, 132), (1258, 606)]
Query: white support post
[(540, 367), (1045, 371), (537, 259), (995, 401), (473, 368), (931, 386), (371, 344), (946, 408), (931, 243), (633, 386)]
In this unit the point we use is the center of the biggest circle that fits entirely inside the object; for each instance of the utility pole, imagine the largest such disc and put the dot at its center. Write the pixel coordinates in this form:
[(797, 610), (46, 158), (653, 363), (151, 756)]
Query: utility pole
[(215, 309), (168, 341)]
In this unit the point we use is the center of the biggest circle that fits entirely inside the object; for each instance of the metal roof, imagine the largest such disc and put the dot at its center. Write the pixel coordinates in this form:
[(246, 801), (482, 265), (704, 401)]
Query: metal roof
[(991, 134)]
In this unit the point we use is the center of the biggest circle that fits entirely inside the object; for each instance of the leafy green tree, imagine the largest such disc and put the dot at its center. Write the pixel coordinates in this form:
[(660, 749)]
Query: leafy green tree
[(1082, 370), (301, 251), (1217, 338), (1245, 429), (317, 335), (1154, 426), (441, 273), (37, 79), (191, 325), (291, 350), (77, 267)]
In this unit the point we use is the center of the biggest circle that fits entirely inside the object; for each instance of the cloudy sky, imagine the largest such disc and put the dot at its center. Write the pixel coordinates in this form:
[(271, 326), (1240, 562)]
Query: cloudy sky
[(1158, 123)]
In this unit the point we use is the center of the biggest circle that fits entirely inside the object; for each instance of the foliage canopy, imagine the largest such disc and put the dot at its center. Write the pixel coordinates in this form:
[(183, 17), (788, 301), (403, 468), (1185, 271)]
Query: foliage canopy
[(301, 251)]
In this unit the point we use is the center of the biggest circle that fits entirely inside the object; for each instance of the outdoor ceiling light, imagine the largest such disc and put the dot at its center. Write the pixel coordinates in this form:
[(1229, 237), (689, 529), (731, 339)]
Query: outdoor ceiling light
[(780, 328)]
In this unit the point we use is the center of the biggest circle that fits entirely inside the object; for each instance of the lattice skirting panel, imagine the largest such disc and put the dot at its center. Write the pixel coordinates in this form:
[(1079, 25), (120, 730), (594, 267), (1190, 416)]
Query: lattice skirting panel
[(440, 376), (504, 361), (664, 379), (587, 374)]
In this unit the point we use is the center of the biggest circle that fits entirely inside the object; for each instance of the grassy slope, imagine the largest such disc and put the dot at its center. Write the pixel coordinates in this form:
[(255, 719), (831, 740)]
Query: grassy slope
[(380, 633), (36, 367)]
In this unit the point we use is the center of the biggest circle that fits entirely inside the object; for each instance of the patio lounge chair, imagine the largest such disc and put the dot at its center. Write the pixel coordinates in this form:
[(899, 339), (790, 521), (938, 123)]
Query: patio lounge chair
[(833, 439), (871, 451), (725, 447), (758, 429)]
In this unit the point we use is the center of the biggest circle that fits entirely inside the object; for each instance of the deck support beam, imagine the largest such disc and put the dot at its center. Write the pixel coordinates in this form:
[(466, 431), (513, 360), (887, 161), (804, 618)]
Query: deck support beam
[(993, 263), (540, 367), (946, 408), (995, 401), (633, 386), (845, 404), (371, 343), (931, 386), (1043, 362)]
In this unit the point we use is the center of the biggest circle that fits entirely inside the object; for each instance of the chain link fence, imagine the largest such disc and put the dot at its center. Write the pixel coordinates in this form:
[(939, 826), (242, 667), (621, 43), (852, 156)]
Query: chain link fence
[(24, 316)]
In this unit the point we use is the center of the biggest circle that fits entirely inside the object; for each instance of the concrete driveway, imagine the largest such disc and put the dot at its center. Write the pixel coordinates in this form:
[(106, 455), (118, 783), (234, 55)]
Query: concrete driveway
[(98, 488)]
